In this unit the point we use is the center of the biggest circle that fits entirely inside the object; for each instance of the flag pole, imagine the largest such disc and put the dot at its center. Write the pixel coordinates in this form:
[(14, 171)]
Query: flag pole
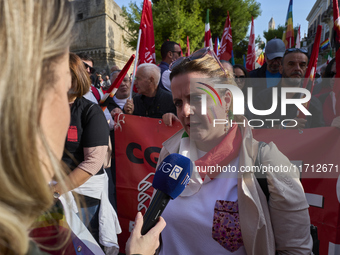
[(135, 64), (115, 84)]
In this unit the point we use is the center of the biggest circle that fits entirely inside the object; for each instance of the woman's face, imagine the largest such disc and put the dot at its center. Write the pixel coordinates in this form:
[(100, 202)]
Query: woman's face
[(188, 96), (55, 115), (239, 77)]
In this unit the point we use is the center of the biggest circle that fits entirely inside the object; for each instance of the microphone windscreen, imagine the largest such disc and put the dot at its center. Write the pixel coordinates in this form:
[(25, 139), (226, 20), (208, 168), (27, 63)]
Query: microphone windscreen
[(173, 174)]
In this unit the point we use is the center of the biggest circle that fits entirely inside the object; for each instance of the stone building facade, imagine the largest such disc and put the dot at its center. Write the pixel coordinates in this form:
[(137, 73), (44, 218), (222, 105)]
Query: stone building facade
[(320, 14), (99, 34)]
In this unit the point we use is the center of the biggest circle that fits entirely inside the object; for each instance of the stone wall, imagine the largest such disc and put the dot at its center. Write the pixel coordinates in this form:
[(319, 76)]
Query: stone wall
[(97, 32)]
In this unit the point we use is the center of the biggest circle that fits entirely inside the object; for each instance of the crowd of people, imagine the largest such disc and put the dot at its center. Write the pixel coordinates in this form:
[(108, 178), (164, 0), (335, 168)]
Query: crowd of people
[(56, 141)]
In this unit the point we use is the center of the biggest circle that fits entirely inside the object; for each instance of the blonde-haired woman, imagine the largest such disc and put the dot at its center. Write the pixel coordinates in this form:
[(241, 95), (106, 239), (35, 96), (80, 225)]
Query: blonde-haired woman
[(225, 211), (34, 114)]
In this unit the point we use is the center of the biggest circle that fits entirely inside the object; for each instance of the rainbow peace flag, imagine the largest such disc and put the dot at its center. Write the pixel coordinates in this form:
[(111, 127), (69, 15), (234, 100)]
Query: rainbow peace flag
[(288, 34), (260, 60), (52, 233), (324, 44), (216, 45)]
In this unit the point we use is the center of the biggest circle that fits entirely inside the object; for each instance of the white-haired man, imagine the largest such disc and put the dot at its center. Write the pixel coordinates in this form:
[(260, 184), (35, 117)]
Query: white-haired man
[(151, 102)]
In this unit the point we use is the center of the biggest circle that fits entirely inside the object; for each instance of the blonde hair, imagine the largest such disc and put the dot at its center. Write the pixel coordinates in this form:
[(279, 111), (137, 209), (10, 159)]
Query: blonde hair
[(208, 66), (34, 34)]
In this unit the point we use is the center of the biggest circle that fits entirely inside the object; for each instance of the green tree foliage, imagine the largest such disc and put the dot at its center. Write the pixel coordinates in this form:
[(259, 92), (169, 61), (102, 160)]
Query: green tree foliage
[(240, 13), (277, 33), (177, 19), (172, 20), (132, 17)]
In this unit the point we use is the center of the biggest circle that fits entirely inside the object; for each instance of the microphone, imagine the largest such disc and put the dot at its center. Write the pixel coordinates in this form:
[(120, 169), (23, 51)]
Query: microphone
[(170, 179)]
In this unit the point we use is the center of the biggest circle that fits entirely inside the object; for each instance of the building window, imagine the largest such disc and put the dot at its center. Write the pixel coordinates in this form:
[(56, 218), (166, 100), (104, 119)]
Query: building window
[(114, 17), (314, 26), (327, 35), (79, 16)]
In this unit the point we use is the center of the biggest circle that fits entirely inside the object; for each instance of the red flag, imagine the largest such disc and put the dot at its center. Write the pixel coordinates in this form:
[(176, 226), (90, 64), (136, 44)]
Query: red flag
[(311, 70), (116, 83), (250, 64), (147, 41), (207, 35), (216, 46), (336, 87), (226, 41), (336, 27), (181, 49), (188, 47), (336, 19)]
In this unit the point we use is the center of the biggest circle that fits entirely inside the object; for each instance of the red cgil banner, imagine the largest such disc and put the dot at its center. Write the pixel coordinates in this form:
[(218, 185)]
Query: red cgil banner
[(138, 141)]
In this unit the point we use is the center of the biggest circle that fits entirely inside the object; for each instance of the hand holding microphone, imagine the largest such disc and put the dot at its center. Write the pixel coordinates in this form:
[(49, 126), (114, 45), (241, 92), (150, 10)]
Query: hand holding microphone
[(146, 244), (170, 179)]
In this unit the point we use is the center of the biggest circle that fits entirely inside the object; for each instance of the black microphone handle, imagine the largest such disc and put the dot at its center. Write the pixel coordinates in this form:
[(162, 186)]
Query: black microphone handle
[(156, 208)]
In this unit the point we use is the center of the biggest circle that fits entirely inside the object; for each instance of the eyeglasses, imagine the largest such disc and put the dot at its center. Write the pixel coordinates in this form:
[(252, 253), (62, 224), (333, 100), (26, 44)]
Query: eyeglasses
[(178, 52), (239, 77), (290, 50), (197, 55), (92, 70)]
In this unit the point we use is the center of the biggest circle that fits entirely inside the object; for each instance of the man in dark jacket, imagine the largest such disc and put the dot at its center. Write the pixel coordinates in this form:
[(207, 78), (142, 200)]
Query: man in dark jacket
[(270, 70)]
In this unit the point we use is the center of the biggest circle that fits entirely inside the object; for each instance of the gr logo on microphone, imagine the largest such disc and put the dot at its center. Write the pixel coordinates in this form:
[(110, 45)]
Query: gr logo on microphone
[(174, 171)]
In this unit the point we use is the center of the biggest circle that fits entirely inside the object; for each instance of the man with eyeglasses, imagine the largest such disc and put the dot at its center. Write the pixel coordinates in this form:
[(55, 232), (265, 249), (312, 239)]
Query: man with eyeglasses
[(293, 70), (270, 70), (170, 51)]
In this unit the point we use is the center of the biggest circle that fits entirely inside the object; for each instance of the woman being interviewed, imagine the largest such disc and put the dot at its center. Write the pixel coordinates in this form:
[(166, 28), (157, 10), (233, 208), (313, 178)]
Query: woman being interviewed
[(226, 211)]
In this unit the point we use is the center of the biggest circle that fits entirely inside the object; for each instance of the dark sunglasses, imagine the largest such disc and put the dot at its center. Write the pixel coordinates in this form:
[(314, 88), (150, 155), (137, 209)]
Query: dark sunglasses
[(239, 77), (178, 52), (92, 70), (290, 50), (197, 55)]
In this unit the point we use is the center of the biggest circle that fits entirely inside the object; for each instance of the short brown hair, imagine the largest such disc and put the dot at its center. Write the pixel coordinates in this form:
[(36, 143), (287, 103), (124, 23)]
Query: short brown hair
[(80, 79)]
